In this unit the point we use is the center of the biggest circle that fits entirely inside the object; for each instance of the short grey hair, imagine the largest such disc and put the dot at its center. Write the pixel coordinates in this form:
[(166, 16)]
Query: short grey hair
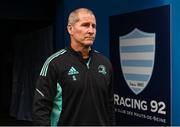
[(73, 16)]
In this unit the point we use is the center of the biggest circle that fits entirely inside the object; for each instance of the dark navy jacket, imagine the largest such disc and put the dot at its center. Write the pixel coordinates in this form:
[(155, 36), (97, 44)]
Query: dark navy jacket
[(70, 91)]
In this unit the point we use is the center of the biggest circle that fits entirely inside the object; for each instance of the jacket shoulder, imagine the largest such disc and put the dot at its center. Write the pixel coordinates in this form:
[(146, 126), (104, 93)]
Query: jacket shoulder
[(100, 56), (50, 60)]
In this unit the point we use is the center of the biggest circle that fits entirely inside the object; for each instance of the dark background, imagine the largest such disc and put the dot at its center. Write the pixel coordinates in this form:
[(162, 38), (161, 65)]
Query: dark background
[(19, 17)]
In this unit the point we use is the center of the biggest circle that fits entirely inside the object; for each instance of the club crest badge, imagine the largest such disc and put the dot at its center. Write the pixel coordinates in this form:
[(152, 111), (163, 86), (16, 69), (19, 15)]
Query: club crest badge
[(137, 56)]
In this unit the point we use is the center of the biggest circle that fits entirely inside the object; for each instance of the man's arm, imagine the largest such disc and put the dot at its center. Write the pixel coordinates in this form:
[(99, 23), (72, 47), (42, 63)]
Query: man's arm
[(44, 94)]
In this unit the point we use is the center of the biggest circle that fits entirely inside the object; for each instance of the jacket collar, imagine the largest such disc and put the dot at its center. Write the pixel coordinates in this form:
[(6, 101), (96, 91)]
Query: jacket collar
[(79, 54)]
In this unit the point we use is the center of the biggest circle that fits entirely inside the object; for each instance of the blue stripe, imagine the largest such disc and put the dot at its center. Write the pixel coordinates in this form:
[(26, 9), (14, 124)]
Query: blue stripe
[(137, 63), (136, 90), (139, 48), (137, 77)]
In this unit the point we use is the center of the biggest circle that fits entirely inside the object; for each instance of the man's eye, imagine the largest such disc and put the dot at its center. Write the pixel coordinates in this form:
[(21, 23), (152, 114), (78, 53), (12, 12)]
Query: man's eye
[(94, 26), (89, 25), (86, 25)]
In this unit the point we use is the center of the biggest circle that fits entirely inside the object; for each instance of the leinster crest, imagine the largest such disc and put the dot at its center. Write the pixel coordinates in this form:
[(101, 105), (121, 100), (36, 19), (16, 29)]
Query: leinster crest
[(137, 55)]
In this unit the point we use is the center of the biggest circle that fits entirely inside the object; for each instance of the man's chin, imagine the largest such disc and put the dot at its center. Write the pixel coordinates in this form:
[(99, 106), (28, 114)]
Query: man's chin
[(88, 44)]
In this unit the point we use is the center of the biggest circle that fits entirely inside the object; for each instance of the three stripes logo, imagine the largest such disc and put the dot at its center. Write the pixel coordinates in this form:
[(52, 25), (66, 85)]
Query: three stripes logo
[(137, 54), (73, 72)]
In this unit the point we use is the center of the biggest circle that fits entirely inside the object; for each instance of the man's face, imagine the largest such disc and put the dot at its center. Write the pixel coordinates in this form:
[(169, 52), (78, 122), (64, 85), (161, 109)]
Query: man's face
[(83, 32)]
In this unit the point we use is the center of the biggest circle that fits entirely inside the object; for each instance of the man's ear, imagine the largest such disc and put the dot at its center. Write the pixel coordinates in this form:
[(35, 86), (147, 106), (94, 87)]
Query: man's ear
[(69, 28)]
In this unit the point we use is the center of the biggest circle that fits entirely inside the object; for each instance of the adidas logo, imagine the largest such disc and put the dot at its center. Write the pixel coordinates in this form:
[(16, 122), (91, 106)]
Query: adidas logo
[(72, 71)]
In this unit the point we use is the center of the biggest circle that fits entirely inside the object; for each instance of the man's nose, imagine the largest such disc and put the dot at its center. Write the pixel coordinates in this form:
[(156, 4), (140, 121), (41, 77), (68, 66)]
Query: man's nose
[(91, 29)]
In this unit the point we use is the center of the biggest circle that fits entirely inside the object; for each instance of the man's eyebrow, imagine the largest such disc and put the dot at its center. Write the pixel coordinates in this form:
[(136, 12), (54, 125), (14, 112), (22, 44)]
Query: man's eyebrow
[(89, 23)]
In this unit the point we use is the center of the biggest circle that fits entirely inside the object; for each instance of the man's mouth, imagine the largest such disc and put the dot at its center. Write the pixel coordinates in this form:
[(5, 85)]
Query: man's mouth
[(90, 38)]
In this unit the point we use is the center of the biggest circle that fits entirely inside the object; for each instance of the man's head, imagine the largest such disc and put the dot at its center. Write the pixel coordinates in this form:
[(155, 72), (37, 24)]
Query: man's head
[(82, 27)]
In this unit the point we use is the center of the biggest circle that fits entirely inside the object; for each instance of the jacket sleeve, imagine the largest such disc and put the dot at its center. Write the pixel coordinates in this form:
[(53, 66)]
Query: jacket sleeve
[(44, 94), (111, 100)]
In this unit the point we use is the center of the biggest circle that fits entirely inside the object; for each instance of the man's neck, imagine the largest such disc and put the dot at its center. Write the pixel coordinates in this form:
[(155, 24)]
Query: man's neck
[(83, 49), (85, 52)]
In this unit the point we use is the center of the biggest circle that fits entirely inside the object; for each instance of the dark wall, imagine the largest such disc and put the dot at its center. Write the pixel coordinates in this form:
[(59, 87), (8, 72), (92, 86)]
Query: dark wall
[(27, 9), (16, 17)]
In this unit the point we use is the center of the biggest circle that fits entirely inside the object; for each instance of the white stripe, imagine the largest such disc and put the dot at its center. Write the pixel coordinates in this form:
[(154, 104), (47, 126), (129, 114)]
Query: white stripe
[(137, 56), (137, 41), (137, 70), (40, 92)]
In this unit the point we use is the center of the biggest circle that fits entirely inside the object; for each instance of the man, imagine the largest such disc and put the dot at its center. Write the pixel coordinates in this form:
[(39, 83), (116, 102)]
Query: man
[(75, 84)]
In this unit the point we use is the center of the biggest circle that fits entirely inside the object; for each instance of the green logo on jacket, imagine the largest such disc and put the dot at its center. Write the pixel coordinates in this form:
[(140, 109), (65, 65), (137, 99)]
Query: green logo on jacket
[(73, 72)]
